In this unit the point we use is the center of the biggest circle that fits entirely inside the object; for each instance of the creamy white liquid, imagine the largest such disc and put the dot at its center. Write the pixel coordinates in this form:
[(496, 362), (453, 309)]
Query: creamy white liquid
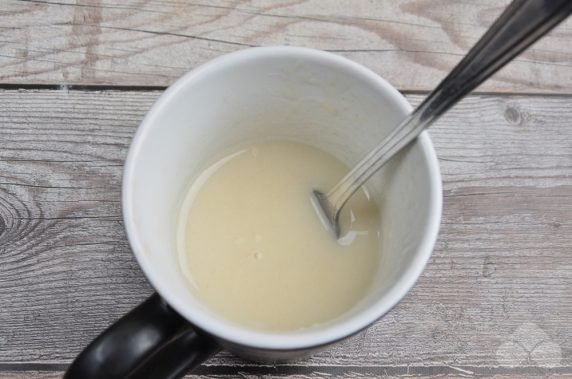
[(255, 251)]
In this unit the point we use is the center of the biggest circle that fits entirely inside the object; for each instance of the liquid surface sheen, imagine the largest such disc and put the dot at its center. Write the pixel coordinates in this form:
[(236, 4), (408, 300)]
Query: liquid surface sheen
[(254, 250)]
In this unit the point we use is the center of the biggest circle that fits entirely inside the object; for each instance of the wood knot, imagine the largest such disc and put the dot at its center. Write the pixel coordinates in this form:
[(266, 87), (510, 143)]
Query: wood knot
[(488, 267), (512, 115), (2, 225)]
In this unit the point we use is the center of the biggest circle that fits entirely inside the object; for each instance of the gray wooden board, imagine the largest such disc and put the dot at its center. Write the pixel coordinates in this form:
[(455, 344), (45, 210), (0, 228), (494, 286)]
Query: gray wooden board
[(496, 297), (413, 43)]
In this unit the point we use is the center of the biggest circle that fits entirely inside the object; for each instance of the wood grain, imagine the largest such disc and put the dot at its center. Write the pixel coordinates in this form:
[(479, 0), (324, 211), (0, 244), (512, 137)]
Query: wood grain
[(412, 43), (501, 269)]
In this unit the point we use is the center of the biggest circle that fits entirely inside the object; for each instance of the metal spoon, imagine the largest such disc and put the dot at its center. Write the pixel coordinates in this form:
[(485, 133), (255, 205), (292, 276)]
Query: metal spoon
[(520, 25)]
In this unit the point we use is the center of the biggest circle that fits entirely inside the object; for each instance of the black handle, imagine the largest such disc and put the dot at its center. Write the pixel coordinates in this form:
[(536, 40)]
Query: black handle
[(151, 341)]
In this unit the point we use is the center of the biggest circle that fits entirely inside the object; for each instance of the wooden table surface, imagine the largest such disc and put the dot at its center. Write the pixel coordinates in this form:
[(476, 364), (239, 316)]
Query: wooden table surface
[(77, 76)]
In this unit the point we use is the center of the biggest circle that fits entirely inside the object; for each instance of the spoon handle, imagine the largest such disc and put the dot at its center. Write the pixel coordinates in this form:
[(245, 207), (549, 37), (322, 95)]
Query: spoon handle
[(519, 26)]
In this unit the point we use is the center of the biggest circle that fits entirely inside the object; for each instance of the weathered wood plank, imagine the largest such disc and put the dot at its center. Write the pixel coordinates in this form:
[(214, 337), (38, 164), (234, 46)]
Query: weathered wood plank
[(499, 282), (31, 374), (411, 43)]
